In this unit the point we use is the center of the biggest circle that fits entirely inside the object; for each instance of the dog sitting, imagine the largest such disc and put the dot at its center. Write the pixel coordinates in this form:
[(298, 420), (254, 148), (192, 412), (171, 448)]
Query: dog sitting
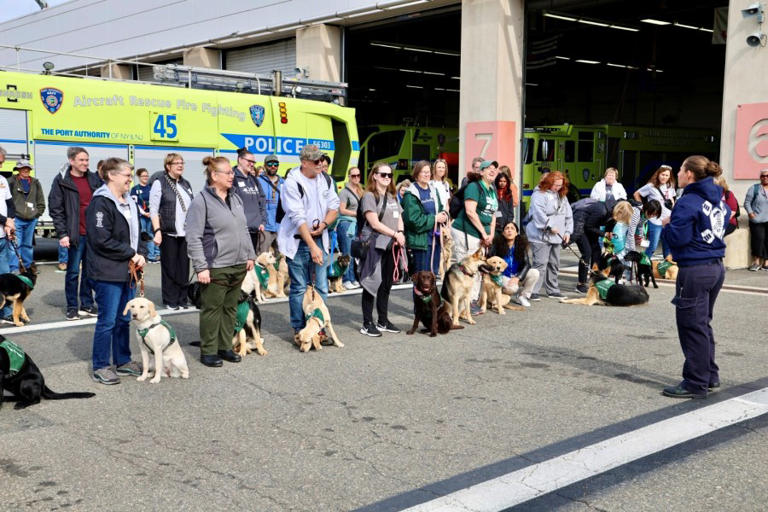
[(21, 376), (16, 288), (641, 267), (318, 318), (428, 308), (605, 291), (257, 280), (457, 286), (491, 294), (156, 336), (248, 327), (336, 273), (278, 273), (666, 269)]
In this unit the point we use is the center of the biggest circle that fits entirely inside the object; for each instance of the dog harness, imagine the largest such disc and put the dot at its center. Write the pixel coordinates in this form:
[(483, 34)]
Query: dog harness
[(603, 287), (317, 314), (16, 357), (263, 275), (663, 267), (142, 333), (241, 315), (27, 281)]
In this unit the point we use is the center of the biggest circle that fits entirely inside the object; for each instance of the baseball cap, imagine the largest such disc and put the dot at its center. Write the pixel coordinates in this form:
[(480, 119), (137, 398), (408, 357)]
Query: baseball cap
[(488, 163), (22, 163), (271, 158)]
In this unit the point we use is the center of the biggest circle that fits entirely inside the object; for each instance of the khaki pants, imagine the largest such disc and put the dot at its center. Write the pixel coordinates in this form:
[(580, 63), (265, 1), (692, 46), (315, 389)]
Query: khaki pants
[(219, 308)]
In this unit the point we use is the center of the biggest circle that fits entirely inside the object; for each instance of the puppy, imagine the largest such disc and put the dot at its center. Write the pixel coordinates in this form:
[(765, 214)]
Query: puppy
[(603, 291), (491, 289), (21, 376), (257, 280), (666, 269), (457, 286), (276, 282), (336, 273), (157, 337), (318, 318), (427, 307), (248, 327), (16, 288), (447, 251), (641, 266)]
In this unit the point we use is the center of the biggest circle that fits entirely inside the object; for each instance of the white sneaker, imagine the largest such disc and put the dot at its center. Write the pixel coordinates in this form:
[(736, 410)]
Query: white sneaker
[(523, 300), (355, 284), (348, 286)]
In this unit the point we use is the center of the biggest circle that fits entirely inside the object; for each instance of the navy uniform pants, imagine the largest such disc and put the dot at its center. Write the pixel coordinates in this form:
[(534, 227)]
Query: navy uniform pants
[(695, 294)]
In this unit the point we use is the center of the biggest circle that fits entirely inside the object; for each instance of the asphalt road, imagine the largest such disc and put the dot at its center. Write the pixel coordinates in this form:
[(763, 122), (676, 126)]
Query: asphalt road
[(383, 424)]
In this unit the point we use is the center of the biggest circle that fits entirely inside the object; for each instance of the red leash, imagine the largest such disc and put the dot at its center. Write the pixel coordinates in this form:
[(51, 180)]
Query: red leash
[(398, 256)]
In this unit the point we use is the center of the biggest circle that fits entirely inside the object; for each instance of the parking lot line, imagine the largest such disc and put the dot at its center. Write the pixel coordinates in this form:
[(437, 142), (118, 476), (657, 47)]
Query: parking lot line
[(539, 479)]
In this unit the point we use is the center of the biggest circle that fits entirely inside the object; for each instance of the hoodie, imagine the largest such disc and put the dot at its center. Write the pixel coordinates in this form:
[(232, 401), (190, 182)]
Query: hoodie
[(113, 235), (697, 225)]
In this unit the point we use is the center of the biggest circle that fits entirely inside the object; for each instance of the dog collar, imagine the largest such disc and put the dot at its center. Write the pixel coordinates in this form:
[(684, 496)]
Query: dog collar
[(27, 281), (465, 271), (423, 296), (16, 357), (143, 334)]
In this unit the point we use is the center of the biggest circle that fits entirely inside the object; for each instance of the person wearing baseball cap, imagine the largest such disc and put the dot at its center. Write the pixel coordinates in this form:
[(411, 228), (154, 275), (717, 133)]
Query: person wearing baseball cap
[(29, 203), (271, 186)]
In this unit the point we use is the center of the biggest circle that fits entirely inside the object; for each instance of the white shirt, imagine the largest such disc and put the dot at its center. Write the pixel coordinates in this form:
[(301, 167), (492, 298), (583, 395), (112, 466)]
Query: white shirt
[(5, 194), (318, 199)]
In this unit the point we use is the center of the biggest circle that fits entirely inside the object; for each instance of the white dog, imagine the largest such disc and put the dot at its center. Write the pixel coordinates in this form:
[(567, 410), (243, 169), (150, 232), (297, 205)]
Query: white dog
[(252, 283), (159, 338)]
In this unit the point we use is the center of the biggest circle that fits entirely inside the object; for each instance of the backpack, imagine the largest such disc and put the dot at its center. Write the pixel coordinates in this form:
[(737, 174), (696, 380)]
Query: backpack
[(280, 213), (457, 202)]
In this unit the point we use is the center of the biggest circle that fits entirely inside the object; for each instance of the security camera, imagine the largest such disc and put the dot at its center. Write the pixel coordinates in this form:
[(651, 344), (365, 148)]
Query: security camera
[(755, 9), (756, 39)]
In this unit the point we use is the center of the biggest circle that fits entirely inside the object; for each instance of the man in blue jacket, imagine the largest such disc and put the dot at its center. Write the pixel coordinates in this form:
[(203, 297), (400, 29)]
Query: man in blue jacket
[(272, 187)]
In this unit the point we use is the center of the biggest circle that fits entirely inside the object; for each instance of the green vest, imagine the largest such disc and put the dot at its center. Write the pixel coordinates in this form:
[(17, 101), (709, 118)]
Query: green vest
[(663, 267), (16, 357), (262, 274), (142, 333), (27, 281), (335, 270), (317, 314), (603, 287), (241, 316)]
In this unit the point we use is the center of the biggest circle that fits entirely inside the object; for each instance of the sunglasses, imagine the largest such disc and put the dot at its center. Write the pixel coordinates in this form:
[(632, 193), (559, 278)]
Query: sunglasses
[(354, 175), (385, 174), (271, 164)]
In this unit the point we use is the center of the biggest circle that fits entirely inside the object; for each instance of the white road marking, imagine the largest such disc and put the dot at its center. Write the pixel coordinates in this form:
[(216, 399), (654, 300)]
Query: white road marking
[(542, 478)]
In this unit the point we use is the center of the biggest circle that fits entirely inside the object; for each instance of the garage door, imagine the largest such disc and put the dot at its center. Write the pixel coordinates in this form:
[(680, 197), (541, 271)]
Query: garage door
[(263, 59)]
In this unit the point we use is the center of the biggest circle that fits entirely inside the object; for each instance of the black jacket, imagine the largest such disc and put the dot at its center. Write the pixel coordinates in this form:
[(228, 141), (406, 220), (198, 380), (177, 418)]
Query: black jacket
[(109, 241), (64, 204), (254, 201), (507, 211), (588, 216)]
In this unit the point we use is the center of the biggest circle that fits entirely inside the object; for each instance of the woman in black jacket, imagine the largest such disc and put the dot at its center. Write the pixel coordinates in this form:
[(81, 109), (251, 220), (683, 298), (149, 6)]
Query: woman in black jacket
[(589, 217), (518, 278), (112, 221), (506, 212)]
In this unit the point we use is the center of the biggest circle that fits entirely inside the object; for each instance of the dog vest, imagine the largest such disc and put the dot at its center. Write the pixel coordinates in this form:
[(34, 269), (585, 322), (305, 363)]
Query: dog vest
[(645, 260), (317, 314), (335, 270), (27, 281), (263, 275), (143, 334), (16, 357), (663, 267), (241, 316), (603, 287)]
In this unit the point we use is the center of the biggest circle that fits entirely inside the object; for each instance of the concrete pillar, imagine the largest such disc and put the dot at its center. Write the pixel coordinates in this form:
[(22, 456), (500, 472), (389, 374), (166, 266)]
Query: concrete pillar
[(491, 97), (202, 57), (118, 71), (744, 132), (318, 52)]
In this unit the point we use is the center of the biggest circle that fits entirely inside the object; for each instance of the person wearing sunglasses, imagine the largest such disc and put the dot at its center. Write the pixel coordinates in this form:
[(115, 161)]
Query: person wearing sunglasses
[(271, 185), (246, 186), (346, 230), (311, 205), (756, 205), (384, 230)]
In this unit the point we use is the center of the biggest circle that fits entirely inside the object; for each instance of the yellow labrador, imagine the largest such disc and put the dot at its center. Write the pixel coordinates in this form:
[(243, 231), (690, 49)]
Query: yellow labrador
[(318, 318), (159, 338)]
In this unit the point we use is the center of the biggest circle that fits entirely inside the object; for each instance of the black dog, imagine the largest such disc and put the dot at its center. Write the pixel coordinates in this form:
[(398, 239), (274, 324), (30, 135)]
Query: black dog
[(21, 376), (428, 307), (642, 268), (16, 288)]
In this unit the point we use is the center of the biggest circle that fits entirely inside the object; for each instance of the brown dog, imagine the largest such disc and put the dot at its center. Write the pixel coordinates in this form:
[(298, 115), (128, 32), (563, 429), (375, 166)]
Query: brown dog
[(427, 307), (338, 268), (668, 266)]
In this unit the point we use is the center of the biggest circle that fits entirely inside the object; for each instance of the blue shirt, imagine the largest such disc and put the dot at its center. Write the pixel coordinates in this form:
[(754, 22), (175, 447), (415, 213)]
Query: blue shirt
[(140, 194), (512, 264)]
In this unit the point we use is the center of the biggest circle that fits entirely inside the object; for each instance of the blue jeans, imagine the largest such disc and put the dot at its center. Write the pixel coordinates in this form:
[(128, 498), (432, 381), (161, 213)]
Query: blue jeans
[(345, 244), (76, 255), (112, 334), (63, 255), (654, 236), (25, 234), (4, 269), (153, 251), (300, 271), (419, 259)]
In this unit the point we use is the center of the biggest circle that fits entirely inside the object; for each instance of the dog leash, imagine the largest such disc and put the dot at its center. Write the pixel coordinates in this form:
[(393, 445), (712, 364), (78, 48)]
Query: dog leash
[(397, 256), (12, 238), (568, 246), (137, 277)]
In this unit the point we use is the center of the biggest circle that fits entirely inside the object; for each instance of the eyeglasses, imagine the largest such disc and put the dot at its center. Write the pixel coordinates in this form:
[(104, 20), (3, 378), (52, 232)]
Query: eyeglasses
[(126, 175), (252, 162), (228, 173), (764, 175), (271, 164), (177, 163), (385, 174)]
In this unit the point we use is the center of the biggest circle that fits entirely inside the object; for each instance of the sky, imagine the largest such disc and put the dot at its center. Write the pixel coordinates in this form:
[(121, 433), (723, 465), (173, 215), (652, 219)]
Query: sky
[(11, 9)]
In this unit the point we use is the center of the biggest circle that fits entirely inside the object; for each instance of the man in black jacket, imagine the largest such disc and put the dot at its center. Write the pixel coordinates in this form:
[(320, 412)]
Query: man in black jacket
[(70, 195), (246, 185)]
